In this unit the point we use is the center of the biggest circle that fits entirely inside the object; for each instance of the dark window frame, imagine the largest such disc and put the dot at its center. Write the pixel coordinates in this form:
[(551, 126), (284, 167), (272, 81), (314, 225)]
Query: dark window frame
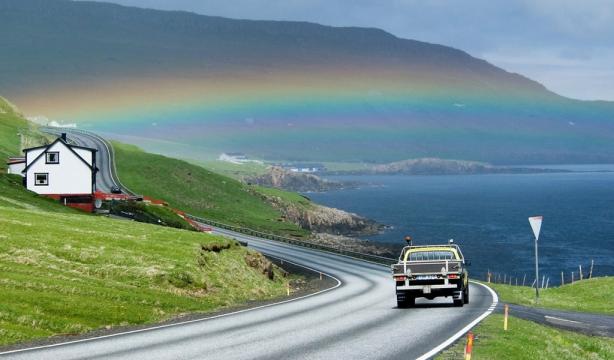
[(57, 156), (36, 182)]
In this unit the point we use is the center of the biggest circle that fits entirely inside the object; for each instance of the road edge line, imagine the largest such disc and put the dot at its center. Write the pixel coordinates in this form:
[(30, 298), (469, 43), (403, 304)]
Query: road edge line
[(188, 321), (463, 331)]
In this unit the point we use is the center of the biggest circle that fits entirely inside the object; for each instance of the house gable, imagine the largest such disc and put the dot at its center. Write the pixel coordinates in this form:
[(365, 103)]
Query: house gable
[(46, 149), (66, 171)]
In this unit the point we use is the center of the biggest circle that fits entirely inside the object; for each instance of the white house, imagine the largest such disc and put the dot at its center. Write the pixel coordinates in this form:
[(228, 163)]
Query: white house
[(16, 165), (60, 169)]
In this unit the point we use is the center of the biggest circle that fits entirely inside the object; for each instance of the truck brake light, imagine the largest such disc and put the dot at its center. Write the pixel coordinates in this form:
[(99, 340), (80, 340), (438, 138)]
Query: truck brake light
[(452, 276), (400, 277)]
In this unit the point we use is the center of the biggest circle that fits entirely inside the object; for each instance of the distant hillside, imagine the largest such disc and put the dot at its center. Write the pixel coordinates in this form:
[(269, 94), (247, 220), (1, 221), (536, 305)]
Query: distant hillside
[(195, 86)]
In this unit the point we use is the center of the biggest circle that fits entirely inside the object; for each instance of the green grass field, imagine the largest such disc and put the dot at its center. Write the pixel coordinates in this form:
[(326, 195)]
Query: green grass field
[(528, 340), (235, 171), (594, 295), (198, 191), (70, 273)]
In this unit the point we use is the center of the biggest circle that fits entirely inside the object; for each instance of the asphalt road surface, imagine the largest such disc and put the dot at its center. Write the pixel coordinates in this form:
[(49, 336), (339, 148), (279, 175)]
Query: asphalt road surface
[(357, 319)]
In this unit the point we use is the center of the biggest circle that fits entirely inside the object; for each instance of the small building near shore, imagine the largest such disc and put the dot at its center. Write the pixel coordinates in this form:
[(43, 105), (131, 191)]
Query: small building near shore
[(62, 171)]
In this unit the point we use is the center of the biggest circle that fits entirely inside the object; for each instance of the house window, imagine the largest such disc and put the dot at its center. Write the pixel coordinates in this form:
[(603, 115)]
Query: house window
[(41, 179), (52, 158)]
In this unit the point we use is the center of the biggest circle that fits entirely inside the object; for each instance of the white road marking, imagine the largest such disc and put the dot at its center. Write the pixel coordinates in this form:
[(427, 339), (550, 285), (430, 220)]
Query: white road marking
[(548, 317), (461, 332)]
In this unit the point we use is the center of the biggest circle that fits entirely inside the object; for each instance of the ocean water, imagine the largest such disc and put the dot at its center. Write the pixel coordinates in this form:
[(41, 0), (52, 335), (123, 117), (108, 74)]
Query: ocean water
[(488, 216)]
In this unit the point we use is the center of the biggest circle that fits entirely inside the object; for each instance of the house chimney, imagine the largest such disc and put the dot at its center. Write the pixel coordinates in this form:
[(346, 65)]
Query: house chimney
[(64, 137)]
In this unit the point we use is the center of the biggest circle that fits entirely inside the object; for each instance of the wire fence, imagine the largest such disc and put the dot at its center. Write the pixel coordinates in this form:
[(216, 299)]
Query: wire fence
[(545, 281)]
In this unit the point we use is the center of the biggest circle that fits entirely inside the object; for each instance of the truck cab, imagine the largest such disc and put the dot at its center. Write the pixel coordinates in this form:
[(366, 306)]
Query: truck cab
[(431, 271)]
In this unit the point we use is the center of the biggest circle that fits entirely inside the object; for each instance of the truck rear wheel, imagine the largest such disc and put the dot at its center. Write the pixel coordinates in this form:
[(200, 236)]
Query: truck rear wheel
[(466, 295), (409, 301), (458, 303)]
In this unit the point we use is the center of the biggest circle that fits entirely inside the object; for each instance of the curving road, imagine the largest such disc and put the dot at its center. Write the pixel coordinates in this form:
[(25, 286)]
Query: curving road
[(356, 319)]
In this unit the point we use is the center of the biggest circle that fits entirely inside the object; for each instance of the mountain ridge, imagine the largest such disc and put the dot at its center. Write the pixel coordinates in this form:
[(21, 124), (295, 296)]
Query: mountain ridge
[(283, 90)]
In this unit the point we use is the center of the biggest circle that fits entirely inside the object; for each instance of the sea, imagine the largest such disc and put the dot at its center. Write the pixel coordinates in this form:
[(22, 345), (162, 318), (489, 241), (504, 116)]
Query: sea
[(487, 215)]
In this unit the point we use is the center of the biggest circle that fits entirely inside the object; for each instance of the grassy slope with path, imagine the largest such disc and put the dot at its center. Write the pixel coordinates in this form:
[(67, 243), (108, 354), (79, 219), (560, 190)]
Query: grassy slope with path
[(65, 272), (594, 296), (528, 340), (198, 191)]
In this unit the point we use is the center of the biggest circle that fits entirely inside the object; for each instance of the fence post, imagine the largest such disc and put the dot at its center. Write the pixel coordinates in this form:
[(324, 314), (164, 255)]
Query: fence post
[(506, 312), (580, 266), (562, 279), (590, 273), (524, 278)]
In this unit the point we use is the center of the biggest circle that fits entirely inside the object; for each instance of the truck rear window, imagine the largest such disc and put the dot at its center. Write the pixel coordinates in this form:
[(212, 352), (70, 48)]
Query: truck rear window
[(431, 255)]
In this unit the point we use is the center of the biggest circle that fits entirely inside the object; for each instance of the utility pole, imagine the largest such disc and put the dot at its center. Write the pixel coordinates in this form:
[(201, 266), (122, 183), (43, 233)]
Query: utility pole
[(536, 225)]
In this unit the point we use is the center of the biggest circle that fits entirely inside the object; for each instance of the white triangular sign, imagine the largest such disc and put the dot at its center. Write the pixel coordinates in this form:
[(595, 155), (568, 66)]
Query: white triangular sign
[(536, 225)]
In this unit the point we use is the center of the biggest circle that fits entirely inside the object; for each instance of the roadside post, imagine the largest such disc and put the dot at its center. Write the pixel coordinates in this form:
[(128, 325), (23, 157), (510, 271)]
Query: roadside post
[(469, 346), (506, 312), (536, 225)]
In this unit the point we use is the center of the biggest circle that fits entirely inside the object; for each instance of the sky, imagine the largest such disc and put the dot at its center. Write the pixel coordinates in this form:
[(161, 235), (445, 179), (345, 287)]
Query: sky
[(567, 45)]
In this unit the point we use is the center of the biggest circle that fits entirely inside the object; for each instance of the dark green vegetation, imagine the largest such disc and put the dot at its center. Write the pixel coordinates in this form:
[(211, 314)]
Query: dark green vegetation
[(200, 192), (594, 296), (528, 340), (151, 214)]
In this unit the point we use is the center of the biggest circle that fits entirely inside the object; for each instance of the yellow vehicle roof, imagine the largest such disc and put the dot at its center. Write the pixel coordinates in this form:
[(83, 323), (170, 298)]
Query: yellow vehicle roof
[(431, 248)]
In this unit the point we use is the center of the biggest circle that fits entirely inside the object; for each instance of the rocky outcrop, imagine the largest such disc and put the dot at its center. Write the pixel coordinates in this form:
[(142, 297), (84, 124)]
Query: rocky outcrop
[(322, 219), (280, 178)]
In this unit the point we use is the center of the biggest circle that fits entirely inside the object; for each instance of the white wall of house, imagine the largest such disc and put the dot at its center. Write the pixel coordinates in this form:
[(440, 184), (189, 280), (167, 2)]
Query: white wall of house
[(16, 168), (85, 154), (69, 176)]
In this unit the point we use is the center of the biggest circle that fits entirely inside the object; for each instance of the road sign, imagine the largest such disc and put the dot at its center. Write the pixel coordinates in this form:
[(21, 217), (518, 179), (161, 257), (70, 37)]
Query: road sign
[(536, 225)]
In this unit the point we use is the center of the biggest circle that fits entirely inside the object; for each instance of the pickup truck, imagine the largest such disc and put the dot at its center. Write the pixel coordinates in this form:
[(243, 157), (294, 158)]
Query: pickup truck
[(431, 271)]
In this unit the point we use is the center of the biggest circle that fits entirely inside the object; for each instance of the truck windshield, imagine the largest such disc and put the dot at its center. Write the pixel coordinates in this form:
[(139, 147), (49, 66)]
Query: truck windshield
[(431, 255)]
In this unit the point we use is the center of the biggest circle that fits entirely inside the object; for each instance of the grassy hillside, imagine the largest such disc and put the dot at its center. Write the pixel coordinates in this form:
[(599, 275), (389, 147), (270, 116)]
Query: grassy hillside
[(528, 340), (13, 130), (198, 191), (66, 272), (71, 273), (594, 295)]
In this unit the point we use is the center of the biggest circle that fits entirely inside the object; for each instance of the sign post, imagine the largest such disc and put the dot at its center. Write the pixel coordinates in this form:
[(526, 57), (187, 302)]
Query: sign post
[(536, 225)]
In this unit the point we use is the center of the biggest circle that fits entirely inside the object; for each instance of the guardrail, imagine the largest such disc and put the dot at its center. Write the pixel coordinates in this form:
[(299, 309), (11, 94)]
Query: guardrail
[(303, 243)]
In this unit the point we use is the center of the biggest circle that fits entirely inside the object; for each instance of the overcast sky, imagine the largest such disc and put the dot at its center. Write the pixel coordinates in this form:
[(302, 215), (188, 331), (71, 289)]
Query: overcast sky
[(567, 45)]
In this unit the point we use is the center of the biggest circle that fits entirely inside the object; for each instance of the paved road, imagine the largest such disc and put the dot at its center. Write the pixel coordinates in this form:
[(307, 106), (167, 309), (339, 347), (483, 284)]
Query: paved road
[(589, 324), (357, 319)]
